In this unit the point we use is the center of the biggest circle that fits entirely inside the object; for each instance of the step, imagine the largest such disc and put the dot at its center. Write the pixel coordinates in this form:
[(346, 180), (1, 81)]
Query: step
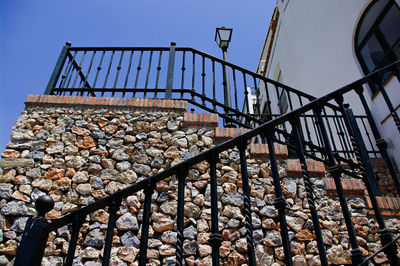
[(315, 168), (390, 206), (225, 133), (203, 120), (260, 151), (351, 186)]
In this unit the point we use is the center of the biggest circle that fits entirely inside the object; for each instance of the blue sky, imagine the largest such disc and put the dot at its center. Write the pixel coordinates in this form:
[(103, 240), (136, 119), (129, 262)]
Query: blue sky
[(32, 33)]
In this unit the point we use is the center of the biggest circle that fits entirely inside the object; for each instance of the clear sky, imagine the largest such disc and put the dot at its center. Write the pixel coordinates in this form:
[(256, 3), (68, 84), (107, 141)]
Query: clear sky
[(32, 33)]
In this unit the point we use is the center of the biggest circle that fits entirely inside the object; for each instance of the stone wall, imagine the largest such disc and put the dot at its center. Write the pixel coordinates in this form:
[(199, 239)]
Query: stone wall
[(77, 153)]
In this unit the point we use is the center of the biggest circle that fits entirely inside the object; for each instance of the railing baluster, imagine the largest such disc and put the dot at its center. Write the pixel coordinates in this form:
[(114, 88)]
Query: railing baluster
[(247, 207), (369, 179), (148, 73), (118, 70), (98, 71), (66, 75), (346, 137), (76, 226), (183, 72), (203, 80), (89, 69), (78, 71), (109, 68), (380, 142), (148, 191), (158, 73), (334, 170), (193, 75), (137, 73), (280, 203), (127, 73), (341, 135), (114, 206), (246, 96), (330, 130), (310, 193), (215, 239), (70, 77), (236, 93), (257, 98), (180, 216), (213, 86)]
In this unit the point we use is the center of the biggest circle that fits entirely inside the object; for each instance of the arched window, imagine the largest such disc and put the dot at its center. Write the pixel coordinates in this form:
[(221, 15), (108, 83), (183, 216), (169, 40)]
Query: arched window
[(378, 36)]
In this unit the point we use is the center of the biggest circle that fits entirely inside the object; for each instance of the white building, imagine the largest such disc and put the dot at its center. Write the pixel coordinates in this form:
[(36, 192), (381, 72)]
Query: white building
[(319, 46)]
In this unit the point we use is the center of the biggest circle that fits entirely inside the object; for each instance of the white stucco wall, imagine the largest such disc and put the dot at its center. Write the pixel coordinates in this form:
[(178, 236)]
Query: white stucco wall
[(314, 50), (314, 44)]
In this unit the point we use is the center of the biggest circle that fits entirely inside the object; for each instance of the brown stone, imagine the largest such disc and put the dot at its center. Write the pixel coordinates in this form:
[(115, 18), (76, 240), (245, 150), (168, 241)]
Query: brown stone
[(19, 196), (8, 153), (225, 248), (53, 214), (152, 254), (101, 121), (305, 235), (204, 250), (297, 247), (203, 238), (54, 173), (63, 182), (70, 172), (163, 225), (9, 248), (80, 131), (85, 143), (142, 126), (98, 194), (172, 153), (127, 253), (235, 258), (129, 139), (100, 216)]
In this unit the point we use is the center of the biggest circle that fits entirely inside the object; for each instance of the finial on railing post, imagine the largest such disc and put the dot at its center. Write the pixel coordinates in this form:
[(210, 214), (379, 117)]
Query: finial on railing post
[(43, 205), (34, 238)]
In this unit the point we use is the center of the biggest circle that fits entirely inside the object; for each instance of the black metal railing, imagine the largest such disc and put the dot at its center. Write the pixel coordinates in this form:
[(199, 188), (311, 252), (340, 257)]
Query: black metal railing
[(35, 235), (186, 73)]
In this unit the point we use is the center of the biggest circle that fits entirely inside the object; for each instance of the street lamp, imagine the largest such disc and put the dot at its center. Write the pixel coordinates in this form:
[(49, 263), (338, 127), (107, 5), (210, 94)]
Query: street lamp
[(222, 38)]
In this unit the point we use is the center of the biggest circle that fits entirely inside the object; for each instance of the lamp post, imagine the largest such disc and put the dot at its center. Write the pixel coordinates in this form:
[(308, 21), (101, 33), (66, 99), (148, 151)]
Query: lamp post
[(222, 38)]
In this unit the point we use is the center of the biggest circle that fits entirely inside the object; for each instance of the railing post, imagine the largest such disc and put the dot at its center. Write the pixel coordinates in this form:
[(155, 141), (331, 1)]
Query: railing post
[(57, 69), (366, 169), (34, 238), (170, 71), (356, 254), (380, 142)]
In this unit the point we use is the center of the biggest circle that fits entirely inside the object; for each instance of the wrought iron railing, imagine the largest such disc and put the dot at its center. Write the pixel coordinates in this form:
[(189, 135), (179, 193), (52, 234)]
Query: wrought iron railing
[(186, 73), (35, 235)]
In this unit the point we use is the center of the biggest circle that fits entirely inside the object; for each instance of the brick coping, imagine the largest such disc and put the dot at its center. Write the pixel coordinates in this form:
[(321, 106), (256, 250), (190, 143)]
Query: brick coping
[(106, 102)]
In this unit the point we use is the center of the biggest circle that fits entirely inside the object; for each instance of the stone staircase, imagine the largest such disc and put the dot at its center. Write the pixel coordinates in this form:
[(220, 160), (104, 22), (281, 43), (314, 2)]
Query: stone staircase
[(353, 187)]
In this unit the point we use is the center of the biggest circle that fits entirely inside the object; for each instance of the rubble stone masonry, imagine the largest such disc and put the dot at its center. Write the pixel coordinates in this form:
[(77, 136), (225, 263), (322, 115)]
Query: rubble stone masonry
[(79, 149)]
